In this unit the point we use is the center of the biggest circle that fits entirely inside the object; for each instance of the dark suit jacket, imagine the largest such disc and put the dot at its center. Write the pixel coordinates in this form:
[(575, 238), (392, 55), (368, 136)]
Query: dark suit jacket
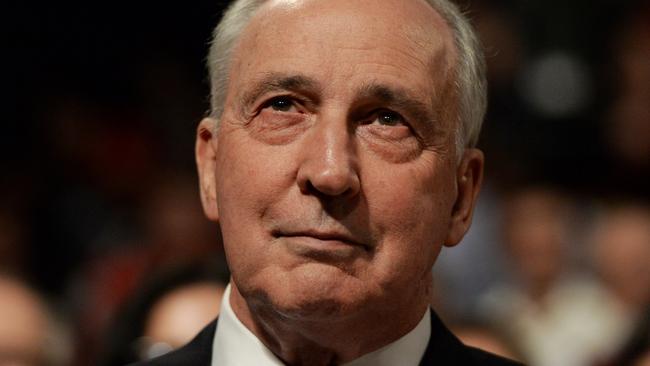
[(443, 349)]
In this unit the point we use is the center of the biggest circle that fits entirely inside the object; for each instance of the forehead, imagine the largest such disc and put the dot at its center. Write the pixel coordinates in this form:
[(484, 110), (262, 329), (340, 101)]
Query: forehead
[(400, 16), (398, 37)]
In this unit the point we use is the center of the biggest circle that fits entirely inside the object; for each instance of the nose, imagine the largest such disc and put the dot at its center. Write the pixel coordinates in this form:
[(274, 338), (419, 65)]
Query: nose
[(329, 165)]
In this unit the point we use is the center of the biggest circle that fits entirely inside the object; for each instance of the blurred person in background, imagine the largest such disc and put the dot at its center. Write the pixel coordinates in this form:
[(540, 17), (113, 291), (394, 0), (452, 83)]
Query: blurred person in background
[(636, 350), (621, 250), (173, 232), (170, 307), (553, 315), (621, 254), (14, 248), (626, 130), (29, 333)]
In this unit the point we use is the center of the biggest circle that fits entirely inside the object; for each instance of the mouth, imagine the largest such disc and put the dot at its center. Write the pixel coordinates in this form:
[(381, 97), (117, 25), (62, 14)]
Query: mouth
[(321, 240)]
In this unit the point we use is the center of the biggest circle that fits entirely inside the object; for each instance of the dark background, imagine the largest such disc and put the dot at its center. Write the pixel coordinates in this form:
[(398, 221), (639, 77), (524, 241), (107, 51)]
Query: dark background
[(102, 99)]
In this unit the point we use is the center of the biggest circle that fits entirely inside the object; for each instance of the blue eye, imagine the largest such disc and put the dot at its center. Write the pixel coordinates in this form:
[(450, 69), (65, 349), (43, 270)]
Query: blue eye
[(281, 104), (388, 118)]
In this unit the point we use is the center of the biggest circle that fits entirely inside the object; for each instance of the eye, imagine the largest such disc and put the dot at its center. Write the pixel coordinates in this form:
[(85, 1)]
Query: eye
[(389, 118), (280, 104)]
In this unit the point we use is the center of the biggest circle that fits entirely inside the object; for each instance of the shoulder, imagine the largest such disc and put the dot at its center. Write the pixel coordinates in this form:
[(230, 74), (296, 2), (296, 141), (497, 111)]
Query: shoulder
[(461, 354), (480, 357), (446, 349), (197, 353)]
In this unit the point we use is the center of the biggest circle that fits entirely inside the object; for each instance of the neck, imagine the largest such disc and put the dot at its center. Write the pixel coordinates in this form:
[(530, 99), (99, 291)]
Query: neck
[(300, 341)]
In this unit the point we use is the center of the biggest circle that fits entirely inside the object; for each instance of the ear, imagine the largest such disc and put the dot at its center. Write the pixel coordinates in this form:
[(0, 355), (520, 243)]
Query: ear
[(206, 153), (469, 177)]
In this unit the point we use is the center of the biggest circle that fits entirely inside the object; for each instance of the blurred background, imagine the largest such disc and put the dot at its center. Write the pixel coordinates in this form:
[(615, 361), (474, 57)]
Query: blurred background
[(102, 238)]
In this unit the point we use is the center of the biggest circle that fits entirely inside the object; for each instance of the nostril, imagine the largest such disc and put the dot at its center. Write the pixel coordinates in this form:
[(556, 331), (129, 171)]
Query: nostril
[(311, 190), (308, 188), (322, 192), (332, 183)]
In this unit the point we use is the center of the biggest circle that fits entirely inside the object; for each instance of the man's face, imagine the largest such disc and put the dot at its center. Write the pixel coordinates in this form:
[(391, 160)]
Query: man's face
[(333, 174)]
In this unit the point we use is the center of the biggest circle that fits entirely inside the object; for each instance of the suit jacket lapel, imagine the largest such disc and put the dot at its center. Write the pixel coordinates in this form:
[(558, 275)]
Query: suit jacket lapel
[(196, 353), (444, 348)]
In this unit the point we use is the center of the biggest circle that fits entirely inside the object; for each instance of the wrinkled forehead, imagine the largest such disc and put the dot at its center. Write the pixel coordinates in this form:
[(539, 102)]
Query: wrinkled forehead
[(403, 13), (413, 20), (407, 33)]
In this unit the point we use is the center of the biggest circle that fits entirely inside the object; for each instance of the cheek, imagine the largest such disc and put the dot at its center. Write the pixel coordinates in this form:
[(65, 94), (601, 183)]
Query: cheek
[(411, 210), (415, 201), (240, 186), (393, 144), (278, 128), (251, 178), (248, 173)]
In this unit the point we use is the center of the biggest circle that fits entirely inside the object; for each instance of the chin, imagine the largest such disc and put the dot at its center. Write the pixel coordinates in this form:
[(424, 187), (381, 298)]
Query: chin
[(314, 292)]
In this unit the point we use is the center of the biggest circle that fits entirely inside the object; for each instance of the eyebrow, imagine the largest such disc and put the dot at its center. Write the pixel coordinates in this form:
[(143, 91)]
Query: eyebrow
[(391, 96), (398, 98), (274, 81)]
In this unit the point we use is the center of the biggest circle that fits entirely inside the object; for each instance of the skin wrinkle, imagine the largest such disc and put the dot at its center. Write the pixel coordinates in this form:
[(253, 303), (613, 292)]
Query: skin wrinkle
[(446, 104), (397, 98), (391, 97), (276, 82), (283, 133), (411, 32), (440, 29)]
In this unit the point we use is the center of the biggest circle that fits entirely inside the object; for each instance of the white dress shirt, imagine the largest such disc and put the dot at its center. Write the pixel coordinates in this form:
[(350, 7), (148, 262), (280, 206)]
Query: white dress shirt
[(235, 345)]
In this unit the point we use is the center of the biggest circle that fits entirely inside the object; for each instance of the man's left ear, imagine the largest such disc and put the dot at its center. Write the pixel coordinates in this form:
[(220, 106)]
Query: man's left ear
[(469, 177)]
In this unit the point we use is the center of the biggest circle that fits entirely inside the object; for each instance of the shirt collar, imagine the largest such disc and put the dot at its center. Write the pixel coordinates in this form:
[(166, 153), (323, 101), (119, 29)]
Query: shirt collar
[(235, 345)]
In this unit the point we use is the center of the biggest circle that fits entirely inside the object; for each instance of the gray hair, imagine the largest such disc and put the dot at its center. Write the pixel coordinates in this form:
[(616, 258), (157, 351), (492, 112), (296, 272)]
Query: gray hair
[(471, 86)]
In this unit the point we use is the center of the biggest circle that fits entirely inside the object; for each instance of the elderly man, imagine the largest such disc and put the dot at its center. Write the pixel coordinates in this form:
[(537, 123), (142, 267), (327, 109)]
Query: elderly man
[(338, 160)]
